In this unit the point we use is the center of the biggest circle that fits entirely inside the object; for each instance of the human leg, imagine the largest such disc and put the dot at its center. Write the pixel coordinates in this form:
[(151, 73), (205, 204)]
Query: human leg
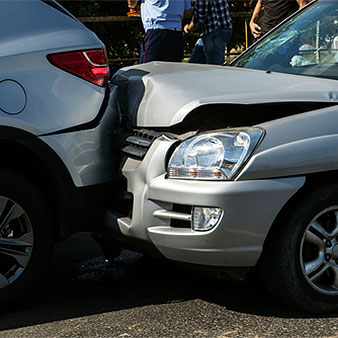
[(161, 45), (197, 55), (214, 45)]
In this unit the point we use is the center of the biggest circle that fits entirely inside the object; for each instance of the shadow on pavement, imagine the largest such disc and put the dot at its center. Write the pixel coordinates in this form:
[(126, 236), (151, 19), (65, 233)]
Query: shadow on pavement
[(82, 283)]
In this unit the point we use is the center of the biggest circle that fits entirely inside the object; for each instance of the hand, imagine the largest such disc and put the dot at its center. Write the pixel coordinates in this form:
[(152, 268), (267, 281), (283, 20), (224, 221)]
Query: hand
[(132, 3), (255, 29), (186, 29)]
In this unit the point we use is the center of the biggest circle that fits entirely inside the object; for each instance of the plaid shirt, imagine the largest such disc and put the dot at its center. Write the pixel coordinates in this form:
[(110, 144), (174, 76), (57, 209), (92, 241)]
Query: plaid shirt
[(211, 15)]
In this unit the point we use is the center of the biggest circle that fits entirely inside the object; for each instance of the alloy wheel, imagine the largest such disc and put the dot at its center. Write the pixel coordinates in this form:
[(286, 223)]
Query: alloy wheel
[(319, 252), (16, 241)]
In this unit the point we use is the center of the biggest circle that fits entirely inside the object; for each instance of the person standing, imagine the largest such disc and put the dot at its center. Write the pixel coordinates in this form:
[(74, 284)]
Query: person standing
[(213, 16), (274, 12), (162, 22)]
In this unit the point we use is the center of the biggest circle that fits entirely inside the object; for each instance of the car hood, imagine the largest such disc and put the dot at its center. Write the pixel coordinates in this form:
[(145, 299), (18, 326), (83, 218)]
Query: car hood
[(161, 94)]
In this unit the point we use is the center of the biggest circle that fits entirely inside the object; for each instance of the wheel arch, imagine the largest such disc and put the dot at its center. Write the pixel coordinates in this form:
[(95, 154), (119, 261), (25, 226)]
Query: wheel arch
[(282, 264), (30, 157), (313, 181)]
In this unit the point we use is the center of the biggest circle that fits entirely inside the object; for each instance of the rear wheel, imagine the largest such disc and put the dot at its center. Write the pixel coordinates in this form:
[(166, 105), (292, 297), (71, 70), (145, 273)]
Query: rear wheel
[(26, 237), (300, 260)]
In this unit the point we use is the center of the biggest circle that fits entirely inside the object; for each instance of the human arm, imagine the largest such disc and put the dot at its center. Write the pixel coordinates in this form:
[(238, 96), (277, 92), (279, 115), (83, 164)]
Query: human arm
[(134, 8), (132, 3), (200, 12), (257, 13), (190, 27), (301, 3), (187, 10), (187, 13)]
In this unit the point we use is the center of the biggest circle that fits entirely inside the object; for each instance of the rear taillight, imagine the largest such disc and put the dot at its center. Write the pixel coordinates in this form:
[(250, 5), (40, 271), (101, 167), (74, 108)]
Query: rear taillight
[(91, 65)]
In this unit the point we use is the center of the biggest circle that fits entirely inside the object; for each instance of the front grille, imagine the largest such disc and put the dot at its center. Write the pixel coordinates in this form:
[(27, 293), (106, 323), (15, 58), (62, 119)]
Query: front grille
[(139, 143)]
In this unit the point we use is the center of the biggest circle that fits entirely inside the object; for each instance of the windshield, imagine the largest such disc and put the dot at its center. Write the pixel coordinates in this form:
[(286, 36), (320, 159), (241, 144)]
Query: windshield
[(307, 44)]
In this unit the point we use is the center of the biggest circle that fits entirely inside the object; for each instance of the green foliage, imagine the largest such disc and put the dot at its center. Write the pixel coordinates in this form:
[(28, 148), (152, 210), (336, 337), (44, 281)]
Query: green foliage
[(122, 39)]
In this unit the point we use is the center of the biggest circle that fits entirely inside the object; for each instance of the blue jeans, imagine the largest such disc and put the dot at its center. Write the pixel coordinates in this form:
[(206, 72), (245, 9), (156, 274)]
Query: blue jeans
[(214, 45), (198, 55)]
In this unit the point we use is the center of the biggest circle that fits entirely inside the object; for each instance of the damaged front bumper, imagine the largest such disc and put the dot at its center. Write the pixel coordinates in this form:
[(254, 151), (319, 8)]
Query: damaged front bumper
[(161, 218)]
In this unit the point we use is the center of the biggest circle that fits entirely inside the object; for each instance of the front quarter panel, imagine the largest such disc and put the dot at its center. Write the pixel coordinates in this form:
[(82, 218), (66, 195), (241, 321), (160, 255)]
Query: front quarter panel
[(296, 145)]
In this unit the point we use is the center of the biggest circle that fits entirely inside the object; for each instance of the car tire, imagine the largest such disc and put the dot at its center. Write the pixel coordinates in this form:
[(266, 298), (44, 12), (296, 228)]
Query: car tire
[(26, 237), (299, 263)]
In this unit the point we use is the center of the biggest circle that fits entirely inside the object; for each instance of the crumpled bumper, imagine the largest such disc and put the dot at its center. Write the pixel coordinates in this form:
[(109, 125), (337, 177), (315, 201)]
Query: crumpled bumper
[(249, 209)]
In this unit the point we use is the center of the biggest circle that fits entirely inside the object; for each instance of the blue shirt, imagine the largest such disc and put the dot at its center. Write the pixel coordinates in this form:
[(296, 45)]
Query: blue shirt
[(163, 14)]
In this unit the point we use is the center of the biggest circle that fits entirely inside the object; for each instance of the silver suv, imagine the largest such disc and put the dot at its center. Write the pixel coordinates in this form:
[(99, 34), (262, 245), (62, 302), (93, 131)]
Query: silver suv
[(232, 168), (55, 140)]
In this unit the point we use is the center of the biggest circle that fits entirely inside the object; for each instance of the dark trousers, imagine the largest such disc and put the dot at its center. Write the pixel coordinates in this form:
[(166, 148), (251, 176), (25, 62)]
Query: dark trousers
[(162, 45), (213, 49)]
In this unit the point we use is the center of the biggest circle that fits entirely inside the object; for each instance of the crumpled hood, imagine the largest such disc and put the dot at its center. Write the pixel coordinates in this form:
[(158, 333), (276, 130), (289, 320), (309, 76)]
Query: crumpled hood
[(162, 94)]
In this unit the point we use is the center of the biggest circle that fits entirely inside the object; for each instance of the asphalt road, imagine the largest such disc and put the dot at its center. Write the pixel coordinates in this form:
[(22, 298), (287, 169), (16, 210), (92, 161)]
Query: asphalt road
[(140, 297)]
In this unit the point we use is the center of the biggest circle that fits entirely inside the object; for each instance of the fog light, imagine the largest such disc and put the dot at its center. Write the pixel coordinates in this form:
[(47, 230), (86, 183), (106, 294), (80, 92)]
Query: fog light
[(204, 218)]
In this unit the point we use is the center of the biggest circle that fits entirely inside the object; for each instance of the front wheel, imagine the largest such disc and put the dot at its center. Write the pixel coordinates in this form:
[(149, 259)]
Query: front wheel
[(26, 237), (300, 260)]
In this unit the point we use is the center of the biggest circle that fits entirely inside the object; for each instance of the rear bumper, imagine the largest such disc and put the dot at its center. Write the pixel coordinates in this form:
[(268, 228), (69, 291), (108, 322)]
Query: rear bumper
[(249, 209), (84, 163), (89, 152)]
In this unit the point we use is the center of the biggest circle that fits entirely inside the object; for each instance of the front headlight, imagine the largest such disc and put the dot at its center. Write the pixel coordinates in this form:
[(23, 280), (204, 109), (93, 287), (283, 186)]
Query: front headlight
[(214, 156)]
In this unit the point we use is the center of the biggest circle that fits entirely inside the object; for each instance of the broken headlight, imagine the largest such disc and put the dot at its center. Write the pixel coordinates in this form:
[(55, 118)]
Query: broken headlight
[(214, 156)]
